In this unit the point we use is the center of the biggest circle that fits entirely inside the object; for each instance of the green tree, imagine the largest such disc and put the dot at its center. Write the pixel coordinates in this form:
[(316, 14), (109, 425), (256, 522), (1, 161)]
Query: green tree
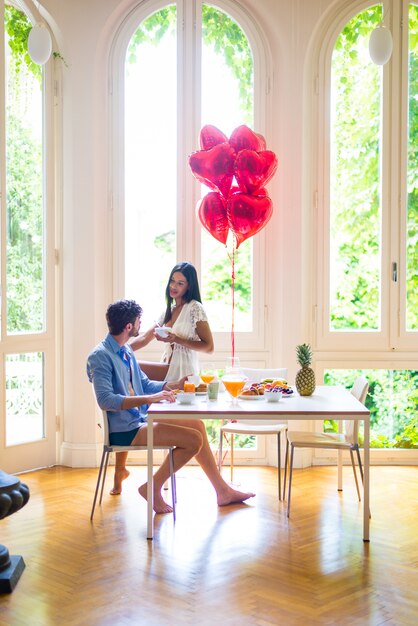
[(24, 211), (355, 201)]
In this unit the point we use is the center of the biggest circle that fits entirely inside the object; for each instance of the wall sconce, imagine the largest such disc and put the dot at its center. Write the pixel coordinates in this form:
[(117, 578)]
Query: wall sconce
[(380, 45), (39, 44)]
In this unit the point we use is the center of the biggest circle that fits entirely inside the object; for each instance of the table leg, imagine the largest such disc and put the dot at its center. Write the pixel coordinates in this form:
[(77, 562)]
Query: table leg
[(366, 494), (340, 460), (150, 486)]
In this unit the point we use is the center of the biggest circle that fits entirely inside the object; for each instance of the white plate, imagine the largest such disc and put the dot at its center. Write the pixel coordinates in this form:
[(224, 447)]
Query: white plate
[(242, 397), (201, 393)]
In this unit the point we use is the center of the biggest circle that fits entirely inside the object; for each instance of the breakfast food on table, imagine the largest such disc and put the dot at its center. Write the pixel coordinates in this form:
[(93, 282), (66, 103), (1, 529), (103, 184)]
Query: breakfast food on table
[(267, 384), (202, 388), (256, 389)]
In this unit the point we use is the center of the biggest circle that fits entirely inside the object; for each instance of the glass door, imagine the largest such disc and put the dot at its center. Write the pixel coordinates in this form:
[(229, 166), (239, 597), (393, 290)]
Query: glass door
[(27, 359)]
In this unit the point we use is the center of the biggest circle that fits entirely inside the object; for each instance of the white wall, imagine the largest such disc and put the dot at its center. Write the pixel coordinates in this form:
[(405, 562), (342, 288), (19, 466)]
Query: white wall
[(83, 32)]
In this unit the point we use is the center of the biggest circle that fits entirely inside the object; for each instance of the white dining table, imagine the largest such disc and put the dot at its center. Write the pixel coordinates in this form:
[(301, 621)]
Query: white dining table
[(327, 402)]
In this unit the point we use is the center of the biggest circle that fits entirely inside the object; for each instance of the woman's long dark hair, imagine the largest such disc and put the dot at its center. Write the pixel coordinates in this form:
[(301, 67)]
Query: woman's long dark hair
[(193, 292)]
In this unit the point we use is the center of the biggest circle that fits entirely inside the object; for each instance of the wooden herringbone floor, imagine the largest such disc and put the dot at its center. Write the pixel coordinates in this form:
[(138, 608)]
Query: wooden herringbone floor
[(239, 566)]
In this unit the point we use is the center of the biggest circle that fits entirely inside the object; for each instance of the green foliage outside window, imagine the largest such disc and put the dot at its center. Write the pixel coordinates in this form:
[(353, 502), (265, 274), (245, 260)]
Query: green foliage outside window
[(392, 401), (24, 214), (412, 177), (355, 189)]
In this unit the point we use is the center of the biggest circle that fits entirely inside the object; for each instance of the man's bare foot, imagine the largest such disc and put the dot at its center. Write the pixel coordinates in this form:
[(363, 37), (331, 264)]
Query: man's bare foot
[(160, 505), (120, 476), (233, 497)]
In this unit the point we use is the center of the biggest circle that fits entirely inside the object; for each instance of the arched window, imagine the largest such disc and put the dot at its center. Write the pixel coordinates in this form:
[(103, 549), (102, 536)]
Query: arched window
[(185, 65), (366, 279)]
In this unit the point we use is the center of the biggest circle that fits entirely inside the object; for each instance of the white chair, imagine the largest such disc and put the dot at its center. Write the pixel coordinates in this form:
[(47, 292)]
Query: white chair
[(348, 440), (255, 427), (108, 448)]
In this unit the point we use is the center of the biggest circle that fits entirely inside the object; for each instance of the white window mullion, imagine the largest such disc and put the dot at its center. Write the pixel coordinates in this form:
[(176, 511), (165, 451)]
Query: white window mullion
[(188, 115)]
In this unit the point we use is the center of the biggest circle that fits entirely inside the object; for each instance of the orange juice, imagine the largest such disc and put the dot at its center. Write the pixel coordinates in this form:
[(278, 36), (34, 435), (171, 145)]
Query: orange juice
[(234, 387), (207, 378), (189, 387)]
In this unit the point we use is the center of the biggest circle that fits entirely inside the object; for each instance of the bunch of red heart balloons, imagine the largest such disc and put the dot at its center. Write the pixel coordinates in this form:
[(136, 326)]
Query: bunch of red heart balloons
[(236, 169)]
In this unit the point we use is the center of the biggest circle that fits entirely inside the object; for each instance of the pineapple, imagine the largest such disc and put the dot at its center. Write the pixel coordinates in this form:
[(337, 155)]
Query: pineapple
[(305, 378)]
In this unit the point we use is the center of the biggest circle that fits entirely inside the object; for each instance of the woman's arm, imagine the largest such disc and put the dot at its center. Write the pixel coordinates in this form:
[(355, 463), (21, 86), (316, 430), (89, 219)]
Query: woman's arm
[(204, 344), (143, 340)]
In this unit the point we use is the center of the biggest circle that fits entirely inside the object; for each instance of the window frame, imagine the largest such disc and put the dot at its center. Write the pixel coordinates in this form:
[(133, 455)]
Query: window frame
[(188, 192), (18, 457), (393, 334)]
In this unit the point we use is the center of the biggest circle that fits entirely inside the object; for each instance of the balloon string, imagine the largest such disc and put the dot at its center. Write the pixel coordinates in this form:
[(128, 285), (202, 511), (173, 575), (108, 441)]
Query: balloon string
[(233, 301)]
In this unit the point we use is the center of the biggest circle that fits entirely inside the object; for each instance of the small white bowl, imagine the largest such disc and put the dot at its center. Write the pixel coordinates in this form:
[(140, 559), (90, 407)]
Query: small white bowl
[(186, 397), (162, 331), (272, 396)]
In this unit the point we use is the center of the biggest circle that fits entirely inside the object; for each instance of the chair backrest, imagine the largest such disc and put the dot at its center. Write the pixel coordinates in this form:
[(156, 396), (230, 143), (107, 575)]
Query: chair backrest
[(359, 391), (105, 428), (255, 375), (154, 370)]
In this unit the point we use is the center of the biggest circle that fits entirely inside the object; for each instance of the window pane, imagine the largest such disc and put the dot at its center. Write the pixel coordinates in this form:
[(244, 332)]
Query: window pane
[(412, 211), (392, 401), (24, 182), (355, 180), (151, 159), (227, 102), (24, 398)]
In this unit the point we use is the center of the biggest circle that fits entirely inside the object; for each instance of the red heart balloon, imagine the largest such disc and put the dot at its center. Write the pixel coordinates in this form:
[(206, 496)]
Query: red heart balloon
[(253, 169), (214, 167), (211, 210), (247, 214), (243, 138), (210, 136)]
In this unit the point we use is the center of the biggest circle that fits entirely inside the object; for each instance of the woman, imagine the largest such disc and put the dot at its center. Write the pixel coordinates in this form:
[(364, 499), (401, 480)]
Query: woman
[(186, 316)]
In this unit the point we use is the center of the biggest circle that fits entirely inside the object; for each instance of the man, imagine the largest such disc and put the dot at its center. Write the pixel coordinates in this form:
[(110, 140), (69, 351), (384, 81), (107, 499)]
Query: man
[(124, 391)]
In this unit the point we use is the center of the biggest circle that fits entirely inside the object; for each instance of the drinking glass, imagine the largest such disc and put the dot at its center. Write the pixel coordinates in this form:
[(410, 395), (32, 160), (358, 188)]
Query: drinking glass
[(207, 373), (234, 379)]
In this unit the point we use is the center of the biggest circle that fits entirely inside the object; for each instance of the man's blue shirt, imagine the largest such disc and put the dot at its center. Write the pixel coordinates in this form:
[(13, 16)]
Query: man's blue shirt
[(111, 377)]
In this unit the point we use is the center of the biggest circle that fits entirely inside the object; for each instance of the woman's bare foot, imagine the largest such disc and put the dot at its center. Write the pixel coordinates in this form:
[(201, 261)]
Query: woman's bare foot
[(160, 505), (120, 476), (231, 496)]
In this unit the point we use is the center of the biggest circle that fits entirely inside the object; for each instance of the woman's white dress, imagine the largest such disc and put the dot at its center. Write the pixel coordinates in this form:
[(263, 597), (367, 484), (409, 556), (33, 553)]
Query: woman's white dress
[(184, 361)]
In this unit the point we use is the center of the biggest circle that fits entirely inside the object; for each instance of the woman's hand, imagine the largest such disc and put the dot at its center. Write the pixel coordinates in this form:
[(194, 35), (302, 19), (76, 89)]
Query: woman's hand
[(176, 384), (170, 338)]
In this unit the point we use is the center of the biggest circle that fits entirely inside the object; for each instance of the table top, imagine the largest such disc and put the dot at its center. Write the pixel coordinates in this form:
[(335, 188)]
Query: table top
[(326, 401)]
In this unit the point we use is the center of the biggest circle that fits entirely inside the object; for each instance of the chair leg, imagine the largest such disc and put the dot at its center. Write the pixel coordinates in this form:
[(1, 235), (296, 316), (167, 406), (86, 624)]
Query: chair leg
[(359, 464), (221, 436), (279, 471), (355, 474), (290, 479), (231, 445), (172, 478), (97, 484), (106, 463), (361, 470), (286, 459)]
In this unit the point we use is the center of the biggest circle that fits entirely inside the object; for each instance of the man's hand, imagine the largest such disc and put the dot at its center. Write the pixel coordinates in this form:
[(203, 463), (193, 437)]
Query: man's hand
[(166, 394)]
